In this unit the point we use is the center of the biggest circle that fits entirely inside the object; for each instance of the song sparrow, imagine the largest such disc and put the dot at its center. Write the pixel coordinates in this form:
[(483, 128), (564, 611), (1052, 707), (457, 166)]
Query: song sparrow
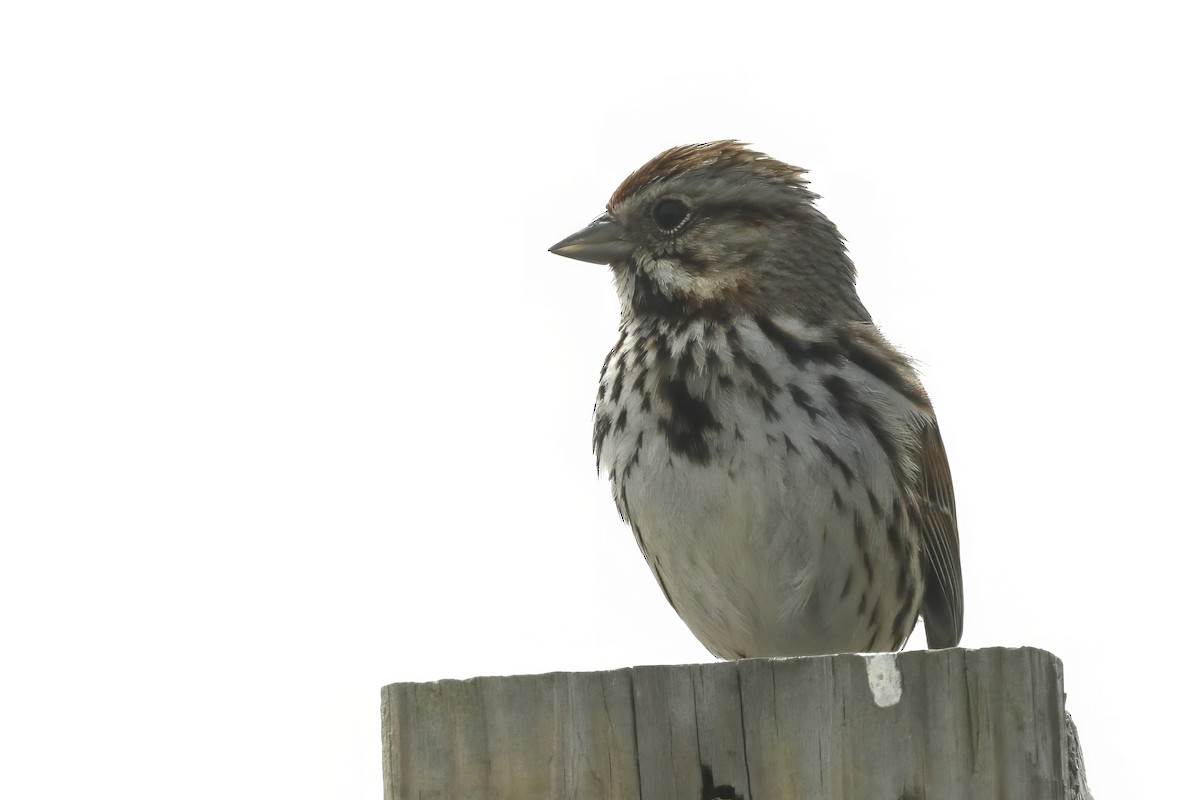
[(778, 460)]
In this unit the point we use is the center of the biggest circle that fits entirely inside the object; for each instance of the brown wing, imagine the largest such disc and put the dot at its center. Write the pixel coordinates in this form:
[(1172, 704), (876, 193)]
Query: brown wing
[(943, 605)]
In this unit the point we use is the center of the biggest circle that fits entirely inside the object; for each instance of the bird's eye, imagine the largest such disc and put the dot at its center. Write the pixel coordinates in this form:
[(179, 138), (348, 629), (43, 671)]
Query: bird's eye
[(669, 213)]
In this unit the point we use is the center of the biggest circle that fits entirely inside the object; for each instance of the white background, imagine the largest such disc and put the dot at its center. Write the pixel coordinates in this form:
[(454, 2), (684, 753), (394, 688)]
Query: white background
[(294, 403)]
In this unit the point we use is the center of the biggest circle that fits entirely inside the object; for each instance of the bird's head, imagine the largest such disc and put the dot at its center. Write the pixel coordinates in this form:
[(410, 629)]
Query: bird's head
[(718, 229)]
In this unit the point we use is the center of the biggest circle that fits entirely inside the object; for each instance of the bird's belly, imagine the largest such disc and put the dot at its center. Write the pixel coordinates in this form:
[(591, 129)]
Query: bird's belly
[(763, 545)]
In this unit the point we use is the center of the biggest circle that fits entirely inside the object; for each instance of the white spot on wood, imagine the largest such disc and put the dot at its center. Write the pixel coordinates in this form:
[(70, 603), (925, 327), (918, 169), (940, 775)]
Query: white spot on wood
[(884, 679)]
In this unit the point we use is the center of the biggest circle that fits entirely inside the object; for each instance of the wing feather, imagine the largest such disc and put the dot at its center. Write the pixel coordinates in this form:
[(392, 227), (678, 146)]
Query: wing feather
[(937, 521)]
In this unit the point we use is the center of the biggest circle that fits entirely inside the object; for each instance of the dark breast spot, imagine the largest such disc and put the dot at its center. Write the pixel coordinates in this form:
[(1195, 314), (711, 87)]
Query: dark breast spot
[(835, 459), (688, 421), (804, 400), (873, 356), (618, 383), (851, 406), (762, 378), (800, 352), (600, 431)]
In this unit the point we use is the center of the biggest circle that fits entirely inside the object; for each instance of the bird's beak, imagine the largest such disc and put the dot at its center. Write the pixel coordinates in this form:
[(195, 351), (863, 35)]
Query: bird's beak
[(600, 243)]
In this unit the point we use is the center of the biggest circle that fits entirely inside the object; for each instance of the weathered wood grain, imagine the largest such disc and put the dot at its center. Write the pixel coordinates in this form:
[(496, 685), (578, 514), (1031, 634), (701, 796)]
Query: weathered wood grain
[(943, 724)]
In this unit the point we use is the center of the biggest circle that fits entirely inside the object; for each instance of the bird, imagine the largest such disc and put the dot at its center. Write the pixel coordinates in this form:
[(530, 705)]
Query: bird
[(777, 459)]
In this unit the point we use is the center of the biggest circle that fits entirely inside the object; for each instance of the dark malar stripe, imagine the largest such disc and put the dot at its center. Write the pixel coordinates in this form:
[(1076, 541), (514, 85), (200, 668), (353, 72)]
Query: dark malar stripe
[(650, 301)]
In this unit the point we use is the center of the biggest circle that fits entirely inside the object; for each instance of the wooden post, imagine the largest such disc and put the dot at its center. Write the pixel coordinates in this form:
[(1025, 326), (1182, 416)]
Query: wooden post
[(949, 724)]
